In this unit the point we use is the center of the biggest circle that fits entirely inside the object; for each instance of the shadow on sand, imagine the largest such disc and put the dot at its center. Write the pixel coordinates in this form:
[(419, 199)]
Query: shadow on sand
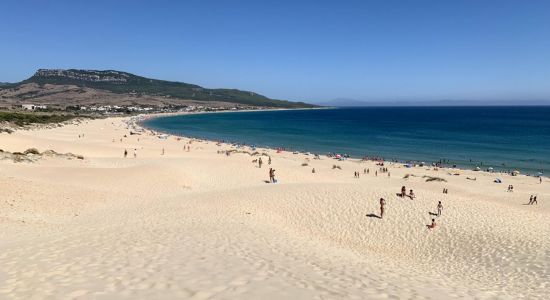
[(373, 216)]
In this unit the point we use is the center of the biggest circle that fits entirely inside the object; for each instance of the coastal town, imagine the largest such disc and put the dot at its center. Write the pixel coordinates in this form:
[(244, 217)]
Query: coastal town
[(113, 110)]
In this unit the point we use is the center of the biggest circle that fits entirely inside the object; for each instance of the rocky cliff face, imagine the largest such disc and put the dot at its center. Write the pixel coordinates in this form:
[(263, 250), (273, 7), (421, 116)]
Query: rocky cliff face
[(85, 75)]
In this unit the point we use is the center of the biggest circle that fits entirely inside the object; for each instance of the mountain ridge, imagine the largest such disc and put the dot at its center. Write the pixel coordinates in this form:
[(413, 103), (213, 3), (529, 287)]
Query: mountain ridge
[(120, 82), (345, 102)]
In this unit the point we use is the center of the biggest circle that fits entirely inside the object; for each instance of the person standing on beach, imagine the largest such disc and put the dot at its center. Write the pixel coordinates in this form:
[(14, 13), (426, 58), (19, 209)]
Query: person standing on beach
[(540, 179), (125, 153), (269, 160), (382, 204), (439, 208), (162, 151), (135, 152), (260, 163), (271, 175)]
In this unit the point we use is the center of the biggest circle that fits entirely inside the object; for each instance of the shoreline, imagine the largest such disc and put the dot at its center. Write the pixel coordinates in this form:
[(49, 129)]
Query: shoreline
[(415, 163)]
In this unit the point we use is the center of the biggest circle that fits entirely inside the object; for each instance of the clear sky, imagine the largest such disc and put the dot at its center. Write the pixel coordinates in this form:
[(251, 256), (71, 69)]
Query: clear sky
[(296, 50)]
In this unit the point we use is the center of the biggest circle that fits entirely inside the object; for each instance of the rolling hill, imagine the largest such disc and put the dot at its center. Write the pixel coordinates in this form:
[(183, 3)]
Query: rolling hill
[(47, 85)]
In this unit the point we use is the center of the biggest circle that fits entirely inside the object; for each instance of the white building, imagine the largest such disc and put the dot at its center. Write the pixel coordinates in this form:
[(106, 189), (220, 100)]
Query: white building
[(33, 107)]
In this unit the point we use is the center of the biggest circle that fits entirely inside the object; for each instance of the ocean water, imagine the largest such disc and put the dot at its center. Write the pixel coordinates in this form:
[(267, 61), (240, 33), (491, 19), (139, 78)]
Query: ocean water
[(505, 138)]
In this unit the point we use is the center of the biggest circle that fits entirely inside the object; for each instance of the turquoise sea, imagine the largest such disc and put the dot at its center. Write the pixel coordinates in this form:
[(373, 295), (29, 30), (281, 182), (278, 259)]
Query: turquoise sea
[(505, 138)]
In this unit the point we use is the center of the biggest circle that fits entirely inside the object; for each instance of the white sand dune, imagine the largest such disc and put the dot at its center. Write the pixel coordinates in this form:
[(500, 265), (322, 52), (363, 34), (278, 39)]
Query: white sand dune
[(202, 225)]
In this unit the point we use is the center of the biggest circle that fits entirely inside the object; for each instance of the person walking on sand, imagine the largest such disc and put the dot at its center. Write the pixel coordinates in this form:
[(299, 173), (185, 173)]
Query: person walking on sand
[(269, 160), (439, 208), (382, 204), (260, 163), (535, 200), (125, 153)]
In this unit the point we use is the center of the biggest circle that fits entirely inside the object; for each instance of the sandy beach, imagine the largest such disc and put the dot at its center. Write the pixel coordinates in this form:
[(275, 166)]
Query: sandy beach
[(201, 224)]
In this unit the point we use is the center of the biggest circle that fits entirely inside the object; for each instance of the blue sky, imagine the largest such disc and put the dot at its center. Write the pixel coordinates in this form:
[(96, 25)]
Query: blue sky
[(296, 50)]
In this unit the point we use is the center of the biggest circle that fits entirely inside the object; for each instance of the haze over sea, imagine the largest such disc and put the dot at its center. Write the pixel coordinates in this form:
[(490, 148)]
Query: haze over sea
[(505, 138)]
